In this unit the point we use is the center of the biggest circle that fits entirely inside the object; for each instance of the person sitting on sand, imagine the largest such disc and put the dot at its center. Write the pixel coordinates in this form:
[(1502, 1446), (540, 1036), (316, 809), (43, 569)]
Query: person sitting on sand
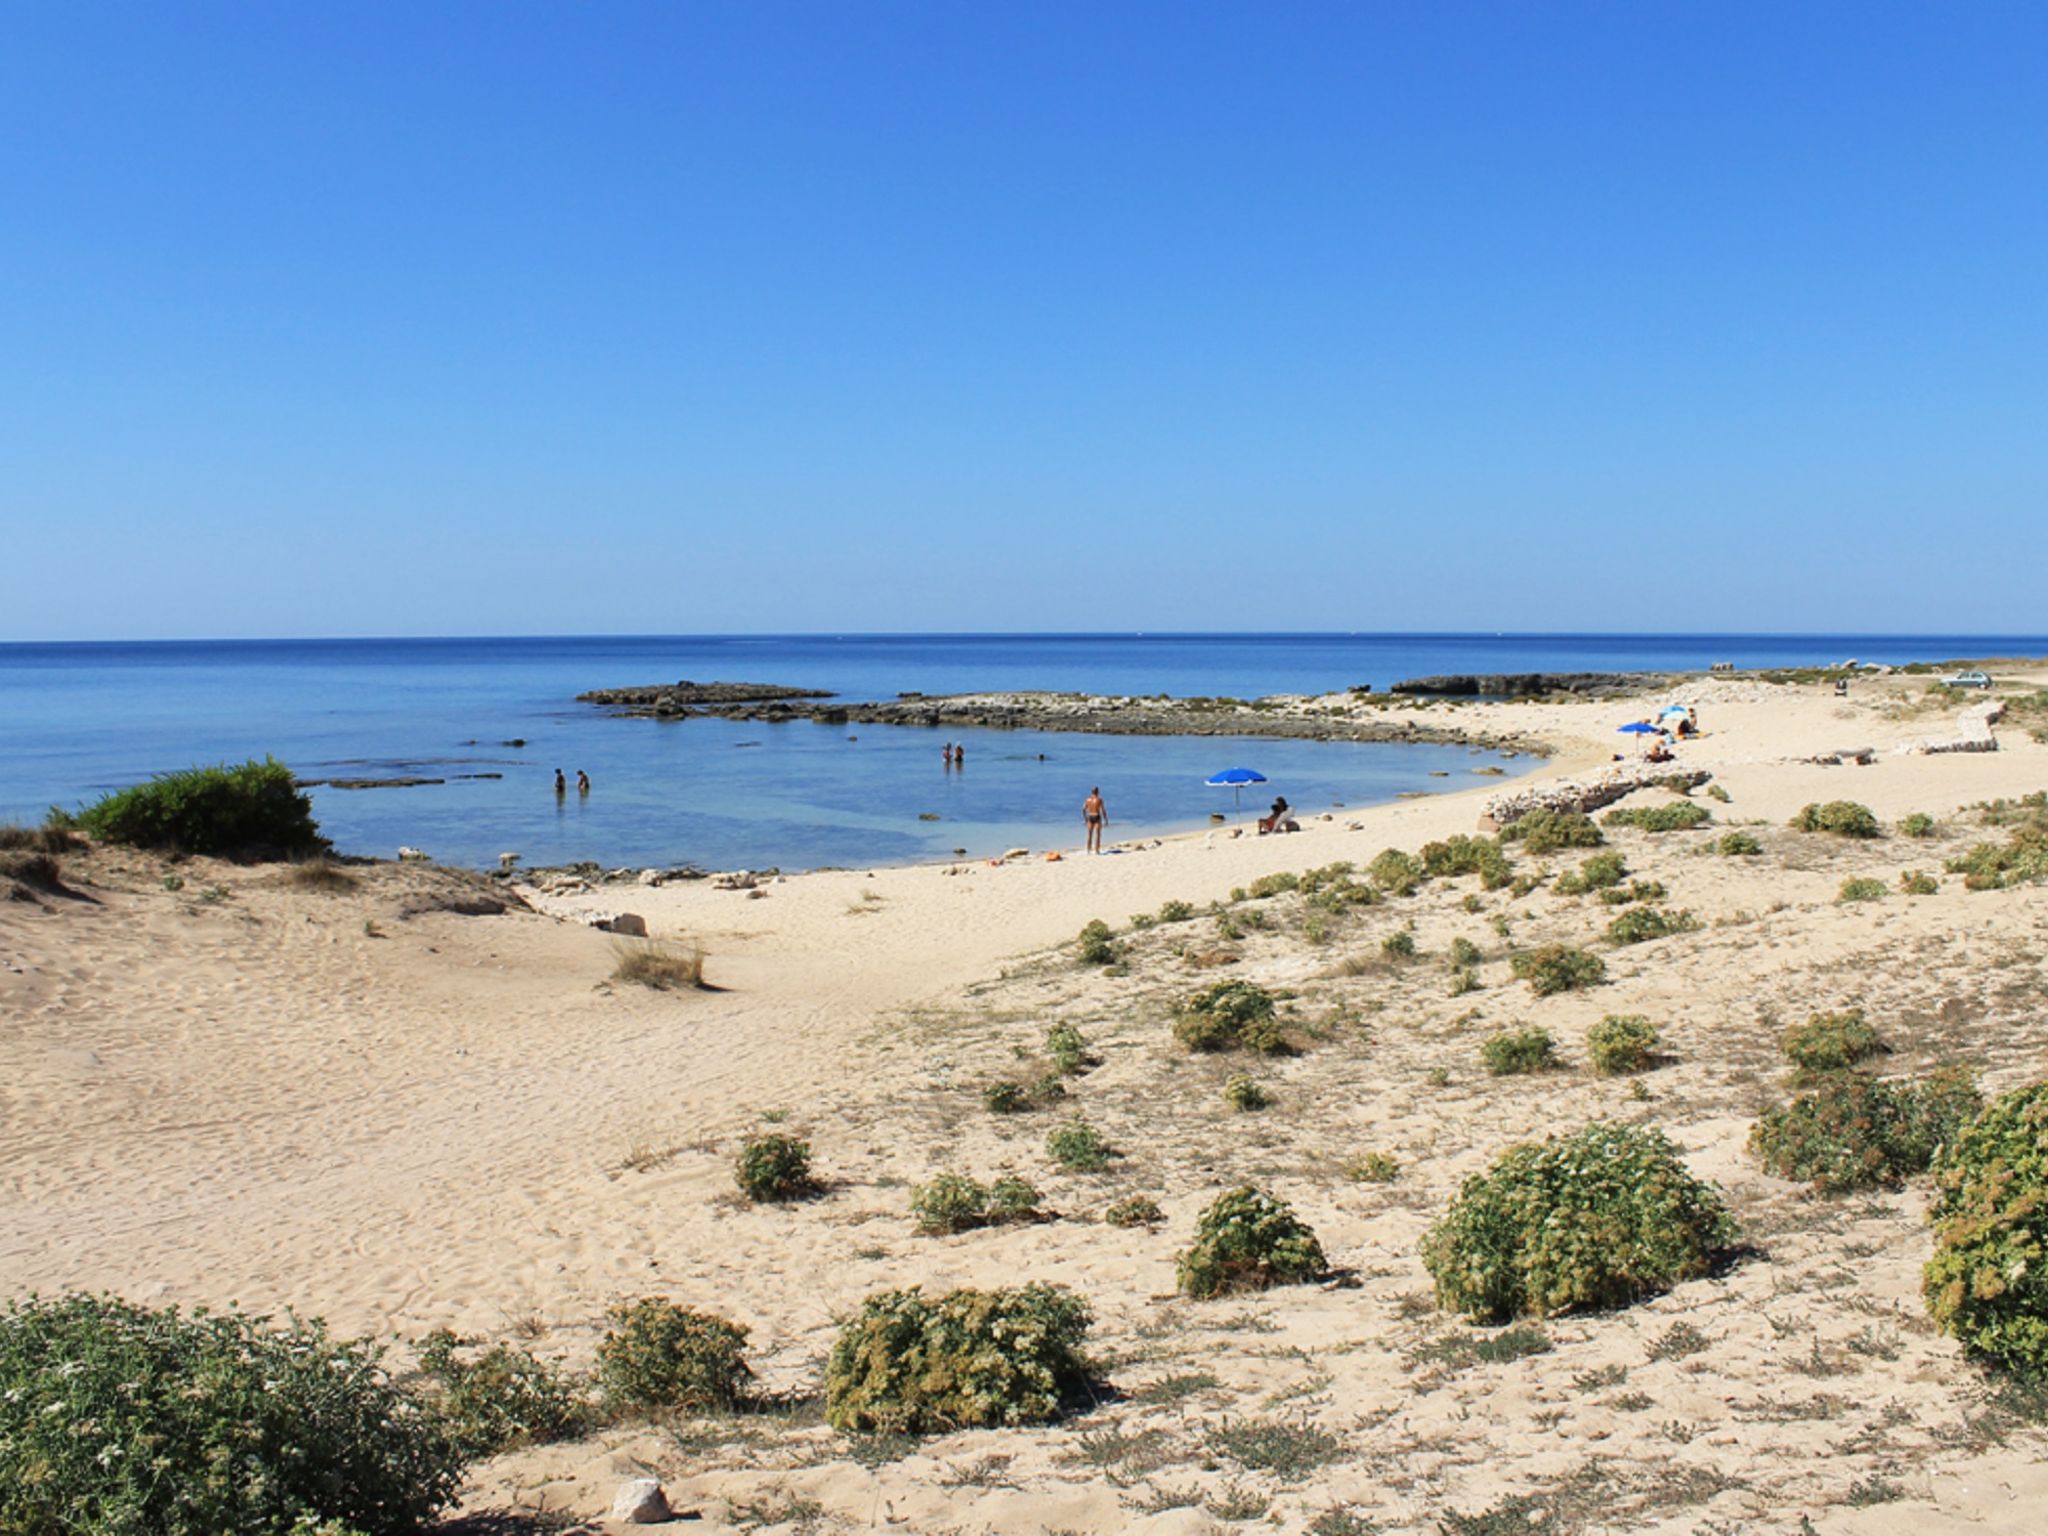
[(1095, 816), (1278, 821)]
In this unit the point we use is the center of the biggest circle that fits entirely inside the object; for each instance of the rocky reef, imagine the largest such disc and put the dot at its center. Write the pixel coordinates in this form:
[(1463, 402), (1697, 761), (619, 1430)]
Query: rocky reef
[(675, 700), (1526, 685)]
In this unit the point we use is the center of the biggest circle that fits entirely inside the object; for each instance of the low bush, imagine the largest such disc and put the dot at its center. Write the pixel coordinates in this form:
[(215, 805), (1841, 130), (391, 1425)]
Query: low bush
[(1601, 872), (1601, 1218), (773, 1168), (1228, 1016), (1844, 818), (1248, 1240), (1545, 831), (1861, 890), (1097, 945), (1244, 1094), (1639, 925), (1176, 912), (1068, 1048), (1830, 1042), (1516, 1051), (1987, 1283), (1398, 945), (656, 1354), (1918, 824), (253, 810), (117, 1418), (1738, 845), (1916, 882), (1464, 953), (1006, 1098), (1077, 1147), (1621, 1042), (501, 1398), (952, 1202), (1395, 872), (1855, 1131), (2021, 858), (1466, 855), (911, 1364), (1275, 885), (1674, 816), (1134, 1211), (1635, 890), (1463, 980), (1558, 968), (651, 963), (1375, 1168)]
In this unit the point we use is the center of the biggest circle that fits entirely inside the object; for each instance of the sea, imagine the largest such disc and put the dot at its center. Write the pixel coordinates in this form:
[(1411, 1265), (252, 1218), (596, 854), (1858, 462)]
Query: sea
[(493, 718)]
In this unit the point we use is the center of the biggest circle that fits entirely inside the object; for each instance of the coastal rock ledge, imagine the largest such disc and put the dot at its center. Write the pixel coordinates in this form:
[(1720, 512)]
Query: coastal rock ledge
[(674, 700), (1524, 685)]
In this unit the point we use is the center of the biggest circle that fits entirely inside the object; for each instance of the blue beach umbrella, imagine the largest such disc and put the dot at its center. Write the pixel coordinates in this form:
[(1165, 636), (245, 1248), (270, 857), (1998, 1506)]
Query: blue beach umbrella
[(1638, 728), (1235, 780)]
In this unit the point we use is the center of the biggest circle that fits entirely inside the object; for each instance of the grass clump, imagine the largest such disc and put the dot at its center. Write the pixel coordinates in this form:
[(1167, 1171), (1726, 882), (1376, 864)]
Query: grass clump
[(1515, 1052), (1621, 1043), (1602, 871), (1176, 912), (1918, 824), (1466, 855), (1244, 1094), (1395, 872), (1134, 1211), (1375, 1168), (1854, 1131), (1546, 831), (118, 1418), (1601, 1218), (1987, 1283), (1097, 945), (1861, 889), (1248, 1240), (1464, 954), (1639, 925), (1916, 882), (1275, 885), (1230, 1015), (252, 810), (1559, 968), (1738, 845), (1006, 1098), (1830, 1042), (1674, 816), (773, 1169), (911, 1364), (501, 1398), (651, 963), (1068, 1048), (1398, 945), (2021, 858), (656, 1354), (952, 1202), (1077, 1147), (1844, 818)]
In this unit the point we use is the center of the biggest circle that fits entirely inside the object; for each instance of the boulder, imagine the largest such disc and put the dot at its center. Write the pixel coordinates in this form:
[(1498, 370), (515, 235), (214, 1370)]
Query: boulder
[(643, 1501)]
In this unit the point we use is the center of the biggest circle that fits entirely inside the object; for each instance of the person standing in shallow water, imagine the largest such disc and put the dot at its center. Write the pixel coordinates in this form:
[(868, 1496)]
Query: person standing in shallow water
[(561, 784), (582, 782), (1095, 816)]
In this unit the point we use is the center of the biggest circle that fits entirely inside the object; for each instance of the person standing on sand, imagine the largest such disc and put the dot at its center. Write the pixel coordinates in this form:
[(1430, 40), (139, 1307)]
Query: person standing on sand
[(1095, 816)]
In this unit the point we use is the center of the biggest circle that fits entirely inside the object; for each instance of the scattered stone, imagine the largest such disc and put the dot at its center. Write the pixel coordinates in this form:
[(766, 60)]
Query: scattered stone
[(734, 880), (411, 855), (1588, 794), (641, 1502), (651, 877)]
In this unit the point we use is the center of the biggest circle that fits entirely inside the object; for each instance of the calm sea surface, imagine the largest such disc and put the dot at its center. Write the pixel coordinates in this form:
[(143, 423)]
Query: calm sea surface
[(77, 720)]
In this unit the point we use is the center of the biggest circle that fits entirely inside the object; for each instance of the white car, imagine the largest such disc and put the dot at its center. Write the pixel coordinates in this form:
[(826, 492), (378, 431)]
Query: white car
[(1967, 680)]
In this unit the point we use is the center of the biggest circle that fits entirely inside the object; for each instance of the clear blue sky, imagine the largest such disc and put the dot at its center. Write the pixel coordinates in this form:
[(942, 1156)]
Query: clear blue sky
[(433, 318)]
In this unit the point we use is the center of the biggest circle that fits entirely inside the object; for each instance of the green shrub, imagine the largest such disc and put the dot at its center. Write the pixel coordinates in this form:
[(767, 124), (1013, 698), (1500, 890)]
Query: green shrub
[(1230, 1015), (774, 1168), (1601, 1218), (1621, 1042), (656, 1354), (502, 1398), (1854, 1131), (1716, 792), (1639, 925), (1987, 1283), (910, 1364), (1513, 1052), (2021, 858), (1324, 875), (1244, 1094), (1134, 1211), (1395, 872), (1097, 946), (1601, 872), (1463, 980), (1275, 885), (1248, 1240), (1674, 816), (1546, 831), (1077, 1146), (1844, 818), (251, 810), (118, 1419), (1635, 890), (1175, 912), (1830, 1042), (1398, 945), (952, 1202), (1068, 1048), (1738, 845), (1375, 1168), (1006, 1098), (1557, 968), (1918, 824), (1861, 890), (1464, 855), (1916, 882), (1464, 953)]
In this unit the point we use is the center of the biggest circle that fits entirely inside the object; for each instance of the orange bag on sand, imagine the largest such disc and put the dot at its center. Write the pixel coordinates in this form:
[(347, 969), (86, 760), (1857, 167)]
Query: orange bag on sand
[(1053, 857)]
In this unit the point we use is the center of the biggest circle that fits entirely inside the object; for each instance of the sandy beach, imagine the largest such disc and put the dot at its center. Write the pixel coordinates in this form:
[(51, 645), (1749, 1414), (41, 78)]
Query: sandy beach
[(420, 1099)]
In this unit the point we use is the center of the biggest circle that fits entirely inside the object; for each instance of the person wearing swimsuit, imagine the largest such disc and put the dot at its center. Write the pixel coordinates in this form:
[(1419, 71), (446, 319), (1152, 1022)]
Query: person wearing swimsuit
[(1095, 816)]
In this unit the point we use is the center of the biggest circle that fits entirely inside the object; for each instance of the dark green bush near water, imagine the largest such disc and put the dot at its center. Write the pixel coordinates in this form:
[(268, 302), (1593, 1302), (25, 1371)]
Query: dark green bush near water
[(1854, 1131), (1248, 1240), (253, 810), (121, 1420), (1546, 831), (1987, 1283), (911, 1364), (659, 1355), (1602, 1218)]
